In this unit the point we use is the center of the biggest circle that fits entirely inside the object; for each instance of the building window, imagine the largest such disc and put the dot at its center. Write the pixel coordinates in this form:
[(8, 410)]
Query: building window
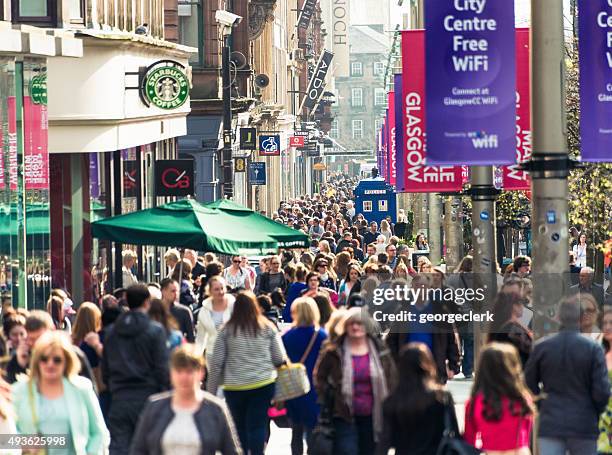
[(357, 129), (367, 206), (356, 69), (357, 97), (382, 205), (379, 68), (380, 97), (34, 11), (76, 8), (334, 132), (189, 33)]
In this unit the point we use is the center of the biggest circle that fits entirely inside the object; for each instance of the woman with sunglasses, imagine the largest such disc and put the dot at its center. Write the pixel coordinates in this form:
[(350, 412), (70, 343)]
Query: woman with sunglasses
[(326, 274), (236, 277), (56, 401)]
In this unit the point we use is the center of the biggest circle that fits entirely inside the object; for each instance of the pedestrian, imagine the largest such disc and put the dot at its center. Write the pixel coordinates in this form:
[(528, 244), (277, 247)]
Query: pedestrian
[(587, 286), (500, 412), (182, 275), (371, 235), (272, 279), (303, 343), (313, 281), (295, 289), (589, 318), (604, 443), (236, 277), (171, 259), (360, 372), (570, 371), (385, 230), (327, 277), (57, 306), (350, 284), (128, 258), (340, 268), (181, 313), (134, 366), (159, 313), (13, 328), (580, 251), (414, 413), (420, 243), (216, 310), (507, 326), (85, 335), (56, 401), (186, 420), (247, 351)]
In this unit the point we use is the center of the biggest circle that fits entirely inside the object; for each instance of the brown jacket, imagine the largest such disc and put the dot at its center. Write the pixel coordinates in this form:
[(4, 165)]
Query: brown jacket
[(328, 374)]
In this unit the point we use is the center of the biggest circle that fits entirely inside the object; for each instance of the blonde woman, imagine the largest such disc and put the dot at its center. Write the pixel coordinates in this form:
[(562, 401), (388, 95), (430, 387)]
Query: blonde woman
[(56, 401), (216, 310), (385, 230)]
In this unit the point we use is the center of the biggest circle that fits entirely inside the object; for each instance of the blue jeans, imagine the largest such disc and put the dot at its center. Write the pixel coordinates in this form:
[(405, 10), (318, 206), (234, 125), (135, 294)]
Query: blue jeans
[(355, 438), (571, 446), (249, 408), (467, 363)]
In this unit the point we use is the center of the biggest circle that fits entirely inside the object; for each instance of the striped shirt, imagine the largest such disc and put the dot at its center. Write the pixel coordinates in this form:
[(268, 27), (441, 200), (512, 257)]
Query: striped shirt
[(243, 361)]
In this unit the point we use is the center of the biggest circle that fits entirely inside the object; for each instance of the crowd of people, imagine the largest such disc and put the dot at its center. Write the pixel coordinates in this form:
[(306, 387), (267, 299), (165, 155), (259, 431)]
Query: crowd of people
[(189, 365)]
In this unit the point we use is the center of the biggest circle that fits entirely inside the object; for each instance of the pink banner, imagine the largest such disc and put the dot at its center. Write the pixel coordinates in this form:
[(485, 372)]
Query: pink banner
[(514, 178), (36, 156), (2, 178), (391, 147), (13, 165), (419, 178)]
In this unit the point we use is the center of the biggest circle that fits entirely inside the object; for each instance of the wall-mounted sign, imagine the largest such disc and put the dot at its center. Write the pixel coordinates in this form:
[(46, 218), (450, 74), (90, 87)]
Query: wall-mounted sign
[(257, 173), (297, 141), (38, 89), (248, 138), (317, 81), (240, 165), (306, 13), (269, 145), (174, 178), (165, 85)]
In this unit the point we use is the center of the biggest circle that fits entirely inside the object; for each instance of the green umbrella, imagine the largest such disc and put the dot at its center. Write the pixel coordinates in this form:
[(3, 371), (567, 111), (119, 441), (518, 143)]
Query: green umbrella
[(185, 224), (285, 236)]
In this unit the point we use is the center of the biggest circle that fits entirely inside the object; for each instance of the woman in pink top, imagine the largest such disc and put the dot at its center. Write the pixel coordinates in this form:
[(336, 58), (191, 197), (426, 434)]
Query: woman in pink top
[(499, 414)]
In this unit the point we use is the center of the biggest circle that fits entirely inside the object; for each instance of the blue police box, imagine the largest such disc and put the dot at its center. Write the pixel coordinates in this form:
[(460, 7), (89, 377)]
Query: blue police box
[(375, 199)]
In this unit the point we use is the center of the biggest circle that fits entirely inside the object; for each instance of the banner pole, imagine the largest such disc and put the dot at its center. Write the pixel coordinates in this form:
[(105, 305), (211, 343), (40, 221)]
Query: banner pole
[(549, 164)]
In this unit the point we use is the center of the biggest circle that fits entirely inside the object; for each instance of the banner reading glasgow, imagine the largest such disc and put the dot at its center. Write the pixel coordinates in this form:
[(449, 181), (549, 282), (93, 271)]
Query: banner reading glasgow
[(471, 109), (595, 25)]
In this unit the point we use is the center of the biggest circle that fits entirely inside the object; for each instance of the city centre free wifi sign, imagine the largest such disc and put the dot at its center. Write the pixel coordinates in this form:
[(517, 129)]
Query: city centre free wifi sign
[(174, 178)]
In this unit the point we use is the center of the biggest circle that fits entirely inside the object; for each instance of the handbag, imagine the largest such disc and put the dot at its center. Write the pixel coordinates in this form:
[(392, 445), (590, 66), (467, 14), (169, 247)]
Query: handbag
[(321, 441), (451, 443), (292, 380)]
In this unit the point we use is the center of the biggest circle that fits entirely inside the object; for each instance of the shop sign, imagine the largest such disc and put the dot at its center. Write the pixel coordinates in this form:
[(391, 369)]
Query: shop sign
[(248, 138), (13, 163), (306, 13), (35, 145), (297, 141), (269, 145), (239, 164), (595, 43), (165, 85), (317, 81), (257, 173), (38, 89), (174, 178)]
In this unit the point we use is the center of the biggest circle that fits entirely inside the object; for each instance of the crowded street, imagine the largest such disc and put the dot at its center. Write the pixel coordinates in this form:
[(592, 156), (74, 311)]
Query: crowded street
[(306, 227)]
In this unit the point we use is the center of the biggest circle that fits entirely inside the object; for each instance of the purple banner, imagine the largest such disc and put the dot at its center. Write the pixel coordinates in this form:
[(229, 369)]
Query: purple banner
[(595, 26), (399, 134), (471, 82)]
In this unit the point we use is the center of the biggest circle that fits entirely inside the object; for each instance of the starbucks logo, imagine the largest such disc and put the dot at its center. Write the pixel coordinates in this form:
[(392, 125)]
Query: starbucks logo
[(166, 87)]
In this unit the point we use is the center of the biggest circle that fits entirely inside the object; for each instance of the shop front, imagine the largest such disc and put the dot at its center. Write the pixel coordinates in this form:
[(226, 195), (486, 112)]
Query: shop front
[(25, 252), (119, 111)]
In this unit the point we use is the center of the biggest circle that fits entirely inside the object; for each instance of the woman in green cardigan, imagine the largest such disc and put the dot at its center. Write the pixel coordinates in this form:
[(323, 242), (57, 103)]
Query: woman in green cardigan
[(54, 400)]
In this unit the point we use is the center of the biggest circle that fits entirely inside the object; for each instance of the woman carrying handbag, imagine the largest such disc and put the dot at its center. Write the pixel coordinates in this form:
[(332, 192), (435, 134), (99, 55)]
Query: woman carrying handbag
[(500, 412)]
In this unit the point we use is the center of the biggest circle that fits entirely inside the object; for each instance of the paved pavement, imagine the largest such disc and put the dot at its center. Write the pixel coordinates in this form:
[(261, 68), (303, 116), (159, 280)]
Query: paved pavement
[(280, 440)]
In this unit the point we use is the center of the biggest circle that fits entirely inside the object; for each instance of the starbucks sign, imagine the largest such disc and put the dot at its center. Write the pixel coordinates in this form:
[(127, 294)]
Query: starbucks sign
[(165, 85)]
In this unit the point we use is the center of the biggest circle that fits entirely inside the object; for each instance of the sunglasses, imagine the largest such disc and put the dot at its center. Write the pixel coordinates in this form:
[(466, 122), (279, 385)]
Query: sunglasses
[(57, 360), (236, 261)]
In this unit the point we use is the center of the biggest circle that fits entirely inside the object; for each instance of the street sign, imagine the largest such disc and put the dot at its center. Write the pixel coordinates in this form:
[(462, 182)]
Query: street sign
[(174, 178), (239, 164), (248, 138), (269, 145), (257, 173), (297, 141)]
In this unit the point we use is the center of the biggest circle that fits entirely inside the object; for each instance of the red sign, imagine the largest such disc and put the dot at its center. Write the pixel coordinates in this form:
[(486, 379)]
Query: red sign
[(514, 178), (13, 163), (36, 154), (418, 177), (391, 146), (297, 141)]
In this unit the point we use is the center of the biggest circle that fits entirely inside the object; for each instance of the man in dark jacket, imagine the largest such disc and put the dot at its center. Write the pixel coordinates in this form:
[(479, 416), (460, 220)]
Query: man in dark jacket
[(134, 366), (182, 313), (572, 371), (586, 286)]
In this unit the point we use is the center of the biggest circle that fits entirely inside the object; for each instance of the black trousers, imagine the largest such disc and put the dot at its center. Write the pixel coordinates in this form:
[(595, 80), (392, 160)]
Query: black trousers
[(122, 421)]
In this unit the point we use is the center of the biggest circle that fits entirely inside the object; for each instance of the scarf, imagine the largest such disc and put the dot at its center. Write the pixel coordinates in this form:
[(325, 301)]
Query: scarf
[(377, 376)]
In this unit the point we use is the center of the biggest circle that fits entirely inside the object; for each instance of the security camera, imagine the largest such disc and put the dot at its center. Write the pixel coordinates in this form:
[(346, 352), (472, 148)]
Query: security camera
[(226, 18)]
